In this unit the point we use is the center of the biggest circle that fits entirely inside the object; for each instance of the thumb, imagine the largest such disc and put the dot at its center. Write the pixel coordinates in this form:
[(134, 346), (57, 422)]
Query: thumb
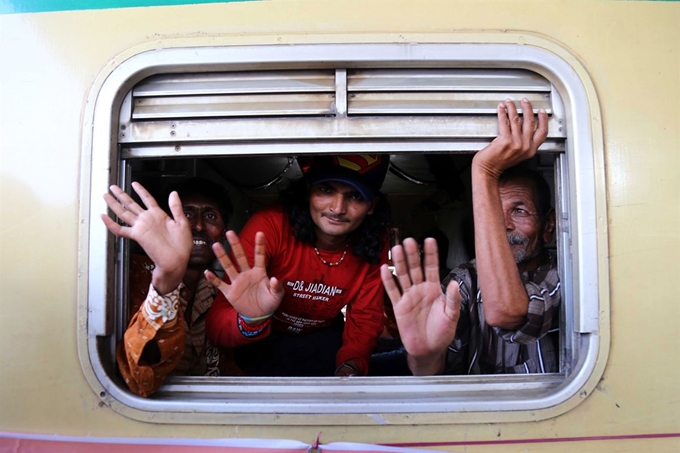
[(453, 298), (276, 288), (175, 205), (216, 282)]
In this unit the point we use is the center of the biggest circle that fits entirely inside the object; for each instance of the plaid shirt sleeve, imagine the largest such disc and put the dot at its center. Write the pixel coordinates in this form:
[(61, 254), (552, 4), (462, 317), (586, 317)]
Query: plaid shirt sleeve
[(543, 289)]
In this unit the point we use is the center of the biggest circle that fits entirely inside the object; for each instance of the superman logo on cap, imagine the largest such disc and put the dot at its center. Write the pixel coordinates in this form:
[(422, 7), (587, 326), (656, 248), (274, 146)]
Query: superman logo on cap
[(360, 163)]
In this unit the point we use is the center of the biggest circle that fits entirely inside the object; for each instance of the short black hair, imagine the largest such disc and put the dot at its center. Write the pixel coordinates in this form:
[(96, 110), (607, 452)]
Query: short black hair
[(204, 188), (540, 185)]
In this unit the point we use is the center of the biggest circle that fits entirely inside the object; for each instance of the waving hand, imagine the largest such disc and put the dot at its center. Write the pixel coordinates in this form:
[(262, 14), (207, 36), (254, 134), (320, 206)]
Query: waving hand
[(166, 240), (518, 138), (426, 317), (251, 292)]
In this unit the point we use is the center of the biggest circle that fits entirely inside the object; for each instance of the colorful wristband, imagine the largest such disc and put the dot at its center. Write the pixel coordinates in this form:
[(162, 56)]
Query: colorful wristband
[(259, 318), (250, 331)]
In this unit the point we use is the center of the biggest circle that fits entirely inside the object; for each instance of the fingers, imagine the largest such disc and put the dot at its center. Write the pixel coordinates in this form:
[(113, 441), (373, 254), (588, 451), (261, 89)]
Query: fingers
[(513, 118), (541, 132), (148, 200), (126, 200), (413, 260), (401, 267), (431, 260), (237, 250), (528, 123), (260, 251), (217, 282), (112, 225), (118, 209), (523, 133), (503, 122), (390, 286), (175, 205), (225, 262)]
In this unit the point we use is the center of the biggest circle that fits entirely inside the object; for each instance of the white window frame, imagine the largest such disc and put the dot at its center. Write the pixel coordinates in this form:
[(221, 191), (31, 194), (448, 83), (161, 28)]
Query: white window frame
[(408, 400)]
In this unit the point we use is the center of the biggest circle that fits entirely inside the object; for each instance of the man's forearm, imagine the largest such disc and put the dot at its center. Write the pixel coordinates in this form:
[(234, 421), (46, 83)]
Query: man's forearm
[(505, 300)]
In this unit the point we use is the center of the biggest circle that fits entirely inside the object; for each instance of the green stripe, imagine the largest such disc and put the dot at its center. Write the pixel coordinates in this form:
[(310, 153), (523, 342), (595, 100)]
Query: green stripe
[(41, 6)]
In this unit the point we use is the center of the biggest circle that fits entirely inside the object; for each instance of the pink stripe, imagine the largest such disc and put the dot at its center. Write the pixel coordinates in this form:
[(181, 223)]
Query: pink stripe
[(57, 446), (535, 441)]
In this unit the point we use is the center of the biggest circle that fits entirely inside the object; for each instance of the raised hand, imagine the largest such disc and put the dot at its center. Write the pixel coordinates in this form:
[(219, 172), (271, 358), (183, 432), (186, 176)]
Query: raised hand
[(166, 240), (426, 317), (518, 138), (251, 292)]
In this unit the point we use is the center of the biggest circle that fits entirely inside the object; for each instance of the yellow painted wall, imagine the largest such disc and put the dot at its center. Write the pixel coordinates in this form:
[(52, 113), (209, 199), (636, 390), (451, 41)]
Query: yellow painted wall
[(48, 61)]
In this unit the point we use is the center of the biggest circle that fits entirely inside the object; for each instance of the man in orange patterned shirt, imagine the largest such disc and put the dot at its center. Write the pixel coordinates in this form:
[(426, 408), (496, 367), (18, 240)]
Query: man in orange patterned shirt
[(169, 295)]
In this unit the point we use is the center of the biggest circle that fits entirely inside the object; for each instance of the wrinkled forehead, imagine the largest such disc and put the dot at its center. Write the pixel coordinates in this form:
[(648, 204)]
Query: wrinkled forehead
[(519, 191)]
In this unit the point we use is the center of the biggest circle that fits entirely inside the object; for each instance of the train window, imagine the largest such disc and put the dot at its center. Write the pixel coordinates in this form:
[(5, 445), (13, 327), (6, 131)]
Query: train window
[(246, 116)]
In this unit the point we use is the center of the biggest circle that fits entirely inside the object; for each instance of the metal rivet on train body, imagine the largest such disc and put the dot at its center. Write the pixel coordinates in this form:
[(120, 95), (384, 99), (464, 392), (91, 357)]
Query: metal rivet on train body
[(172, 132)]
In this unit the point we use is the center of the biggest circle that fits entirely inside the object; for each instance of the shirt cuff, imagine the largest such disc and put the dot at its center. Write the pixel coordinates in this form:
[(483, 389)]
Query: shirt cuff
[(161, 310)]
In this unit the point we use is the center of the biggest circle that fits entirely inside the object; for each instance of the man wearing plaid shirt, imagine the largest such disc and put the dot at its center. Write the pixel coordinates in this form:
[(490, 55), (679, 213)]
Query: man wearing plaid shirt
[(495, 313)]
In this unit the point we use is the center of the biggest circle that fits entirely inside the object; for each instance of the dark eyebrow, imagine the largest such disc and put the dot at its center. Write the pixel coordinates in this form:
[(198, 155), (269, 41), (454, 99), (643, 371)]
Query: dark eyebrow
[(193, 207)]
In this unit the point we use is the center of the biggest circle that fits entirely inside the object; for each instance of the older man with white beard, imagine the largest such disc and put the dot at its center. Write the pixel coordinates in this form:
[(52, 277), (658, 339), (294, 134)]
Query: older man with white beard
[(498, 313)]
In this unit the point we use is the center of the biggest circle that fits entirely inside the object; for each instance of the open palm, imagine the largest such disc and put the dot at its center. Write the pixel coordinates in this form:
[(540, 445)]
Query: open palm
[(166, 240), (251, 292), (426, 317)]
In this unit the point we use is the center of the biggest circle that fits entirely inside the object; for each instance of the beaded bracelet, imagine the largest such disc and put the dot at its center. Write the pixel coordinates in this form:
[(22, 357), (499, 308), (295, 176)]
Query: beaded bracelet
[(259, 318), (250, 331)]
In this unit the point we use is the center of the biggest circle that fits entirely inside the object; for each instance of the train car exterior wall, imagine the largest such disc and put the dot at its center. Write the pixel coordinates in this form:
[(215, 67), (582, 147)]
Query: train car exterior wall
[(49, 60)]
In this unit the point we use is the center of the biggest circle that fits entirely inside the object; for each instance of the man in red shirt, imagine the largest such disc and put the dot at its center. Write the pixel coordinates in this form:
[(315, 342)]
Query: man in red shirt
[(297, 264)]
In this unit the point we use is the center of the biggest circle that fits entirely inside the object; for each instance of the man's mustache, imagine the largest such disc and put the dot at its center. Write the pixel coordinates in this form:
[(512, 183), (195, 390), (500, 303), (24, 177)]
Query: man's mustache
[(337, 218), (516, 239)]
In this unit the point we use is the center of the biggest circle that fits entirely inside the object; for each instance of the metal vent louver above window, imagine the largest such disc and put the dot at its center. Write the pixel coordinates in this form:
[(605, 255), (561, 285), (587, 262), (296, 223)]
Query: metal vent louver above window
[(249, 94), (334, 110), (442, 91)]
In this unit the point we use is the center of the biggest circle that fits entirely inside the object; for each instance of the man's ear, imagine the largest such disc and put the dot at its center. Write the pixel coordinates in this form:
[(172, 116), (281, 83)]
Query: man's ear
[(549, 226)]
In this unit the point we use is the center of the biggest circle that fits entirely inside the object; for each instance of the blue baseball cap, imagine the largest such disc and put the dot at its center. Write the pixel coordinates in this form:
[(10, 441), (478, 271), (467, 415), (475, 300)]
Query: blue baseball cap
[(364, 172)]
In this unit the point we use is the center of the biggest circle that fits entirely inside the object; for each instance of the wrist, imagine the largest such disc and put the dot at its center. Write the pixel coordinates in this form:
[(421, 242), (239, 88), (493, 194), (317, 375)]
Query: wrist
[(255, 321), (250, 331), (427, 365), (166, 281), (482, 170)]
